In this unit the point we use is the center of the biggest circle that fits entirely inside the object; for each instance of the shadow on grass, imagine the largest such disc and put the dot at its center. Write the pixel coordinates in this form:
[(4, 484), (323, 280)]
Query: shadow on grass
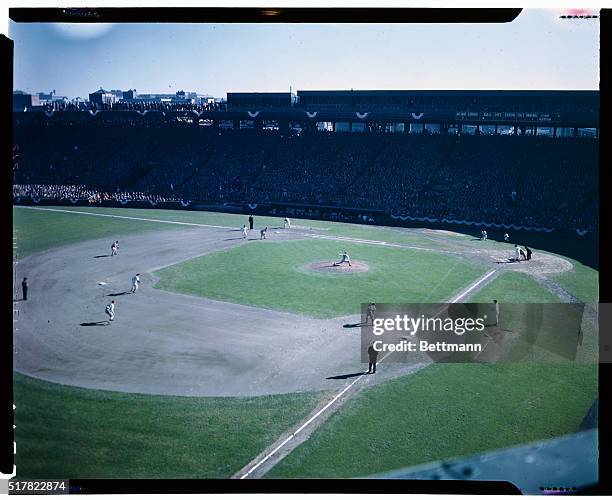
[(345, 376), (96, 323), (101, 256), (118, 294), (354, 325)]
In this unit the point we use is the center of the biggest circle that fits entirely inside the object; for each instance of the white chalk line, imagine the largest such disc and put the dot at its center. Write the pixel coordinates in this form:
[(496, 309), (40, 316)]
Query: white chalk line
[(377, 242), (194, 224), (474, 285), (343, 391), (129, 217)]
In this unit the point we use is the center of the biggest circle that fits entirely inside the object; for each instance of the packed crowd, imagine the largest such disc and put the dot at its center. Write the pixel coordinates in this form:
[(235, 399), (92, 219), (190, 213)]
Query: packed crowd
[(536, 181), (82, 192), (134, 105)]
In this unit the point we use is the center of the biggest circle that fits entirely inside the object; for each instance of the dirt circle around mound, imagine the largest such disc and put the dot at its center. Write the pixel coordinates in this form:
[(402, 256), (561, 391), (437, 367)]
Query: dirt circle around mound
[(328, 267), (540, 263)]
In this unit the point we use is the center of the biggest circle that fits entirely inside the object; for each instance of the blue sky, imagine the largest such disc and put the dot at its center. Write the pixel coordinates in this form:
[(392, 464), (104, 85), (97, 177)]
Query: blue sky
[(536, 51)]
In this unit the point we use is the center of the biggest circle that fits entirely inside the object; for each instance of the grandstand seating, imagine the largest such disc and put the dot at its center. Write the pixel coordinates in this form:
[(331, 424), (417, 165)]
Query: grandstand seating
[(469, 177)]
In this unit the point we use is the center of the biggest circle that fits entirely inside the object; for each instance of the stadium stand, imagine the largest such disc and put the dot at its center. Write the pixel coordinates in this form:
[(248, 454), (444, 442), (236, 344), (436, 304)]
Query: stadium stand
[(467, 177)]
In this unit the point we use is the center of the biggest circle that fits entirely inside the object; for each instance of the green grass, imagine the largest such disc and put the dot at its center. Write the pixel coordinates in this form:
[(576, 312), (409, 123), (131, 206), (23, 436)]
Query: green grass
[(390, 235), (39, 230), (271, 275), (514, 287), (444, 411), (582, 282), (67, 432)]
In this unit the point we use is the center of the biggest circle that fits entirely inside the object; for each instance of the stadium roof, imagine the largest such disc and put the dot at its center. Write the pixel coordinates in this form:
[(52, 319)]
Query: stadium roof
[(453, 93)]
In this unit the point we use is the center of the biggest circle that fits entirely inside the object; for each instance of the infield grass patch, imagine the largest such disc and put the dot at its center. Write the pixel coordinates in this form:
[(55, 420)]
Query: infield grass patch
[(273, 275)]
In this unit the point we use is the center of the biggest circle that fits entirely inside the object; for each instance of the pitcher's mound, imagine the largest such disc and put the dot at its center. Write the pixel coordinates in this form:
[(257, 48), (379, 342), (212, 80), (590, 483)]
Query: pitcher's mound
[(357, 266)]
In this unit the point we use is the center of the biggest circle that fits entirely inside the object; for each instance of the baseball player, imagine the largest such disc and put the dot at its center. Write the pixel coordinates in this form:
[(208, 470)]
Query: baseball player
[(506, 236), (114, 248), (344, 257), (519, 252), (135, 282), (287, 223), (496, 312), (370, 311), (244, 231), (483, 235), (262, 233), (110, 310)]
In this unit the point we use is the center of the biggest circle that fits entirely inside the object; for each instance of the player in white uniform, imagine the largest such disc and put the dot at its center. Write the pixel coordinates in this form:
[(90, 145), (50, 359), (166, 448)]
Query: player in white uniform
[(110, 310), (244, 232), (287, 223), (506, 237), (135, 282), (483, 235), (262, 233), (114, 248), (344, 257), (518, 253)]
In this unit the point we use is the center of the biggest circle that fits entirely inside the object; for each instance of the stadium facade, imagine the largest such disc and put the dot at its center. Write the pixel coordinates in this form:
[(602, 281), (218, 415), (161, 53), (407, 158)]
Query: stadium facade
[(368, 110)]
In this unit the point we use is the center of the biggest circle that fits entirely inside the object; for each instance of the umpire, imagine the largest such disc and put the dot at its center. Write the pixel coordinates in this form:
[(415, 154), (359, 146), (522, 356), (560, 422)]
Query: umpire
[(24, 288), (251, 222), (372, 355)]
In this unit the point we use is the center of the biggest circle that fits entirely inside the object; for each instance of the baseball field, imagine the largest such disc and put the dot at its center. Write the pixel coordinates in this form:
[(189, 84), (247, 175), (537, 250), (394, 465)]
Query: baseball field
[(232, 344)]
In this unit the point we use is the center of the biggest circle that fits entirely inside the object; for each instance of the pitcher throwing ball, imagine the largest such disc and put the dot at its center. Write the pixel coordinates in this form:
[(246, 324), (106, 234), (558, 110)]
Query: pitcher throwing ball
[(344, 257)]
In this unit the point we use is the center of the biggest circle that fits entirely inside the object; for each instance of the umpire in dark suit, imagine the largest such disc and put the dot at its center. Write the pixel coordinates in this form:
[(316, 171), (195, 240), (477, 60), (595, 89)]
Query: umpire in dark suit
[(251, 222), (373, 356), (24, 288)]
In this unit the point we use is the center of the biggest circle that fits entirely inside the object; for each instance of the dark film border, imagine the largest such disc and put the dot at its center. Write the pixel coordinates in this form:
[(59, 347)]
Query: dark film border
[(262, 15)]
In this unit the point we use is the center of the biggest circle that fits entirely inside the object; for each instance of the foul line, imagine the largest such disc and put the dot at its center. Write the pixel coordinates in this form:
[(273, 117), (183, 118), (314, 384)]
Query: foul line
[(343, 391), (302, 427), (474, 285), (128, 217), (194, 224)]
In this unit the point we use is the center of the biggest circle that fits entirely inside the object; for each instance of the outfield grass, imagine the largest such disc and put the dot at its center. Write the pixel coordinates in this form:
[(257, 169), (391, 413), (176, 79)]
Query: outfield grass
[(271, 275), (444, 411), (67, 432), (38, 230), (391, 235), (514, 287)]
